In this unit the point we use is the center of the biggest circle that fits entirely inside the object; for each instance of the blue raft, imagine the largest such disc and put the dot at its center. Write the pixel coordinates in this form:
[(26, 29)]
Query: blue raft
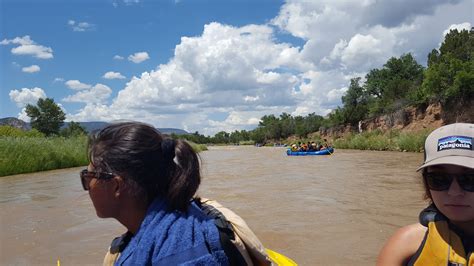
[(327, 151)]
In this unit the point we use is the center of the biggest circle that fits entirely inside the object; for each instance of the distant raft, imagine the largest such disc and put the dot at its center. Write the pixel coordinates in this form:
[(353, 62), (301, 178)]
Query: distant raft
[(326, 151)]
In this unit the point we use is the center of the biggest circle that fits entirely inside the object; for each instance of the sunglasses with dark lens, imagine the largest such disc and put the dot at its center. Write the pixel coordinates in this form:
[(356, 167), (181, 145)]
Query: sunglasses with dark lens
[(87, 175), (442, 181)]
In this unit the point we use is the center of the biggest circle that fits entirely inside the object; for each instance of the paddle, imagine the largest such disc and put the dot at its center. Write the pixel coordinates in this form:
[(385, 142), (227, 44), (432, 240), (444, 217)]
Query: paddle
[(327, 147), (330, 153)]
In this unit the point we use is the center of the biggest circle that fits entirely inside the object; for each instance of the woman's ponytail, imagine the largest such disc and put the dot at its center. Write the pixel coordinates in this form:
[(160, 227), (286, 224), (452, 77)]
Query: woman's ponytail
[(183, 173)]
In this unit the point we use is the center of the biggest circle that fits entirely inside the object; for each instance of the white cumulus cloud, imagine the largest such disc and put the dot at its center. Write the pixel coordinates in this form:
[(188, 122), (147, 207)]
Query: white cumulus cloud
[(31, 69), (118, 57), (26, 96), (230, 68), (236, 120), (113, 75), (219, 68), (77, 85), (23, 116), (97, 94), (138, 57), (26, 46)]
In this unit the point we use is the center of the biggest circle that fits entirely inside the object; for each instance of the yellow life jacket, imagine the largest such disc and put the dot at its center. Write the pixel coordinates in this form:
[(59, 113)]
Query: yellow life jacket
[(441, 246)]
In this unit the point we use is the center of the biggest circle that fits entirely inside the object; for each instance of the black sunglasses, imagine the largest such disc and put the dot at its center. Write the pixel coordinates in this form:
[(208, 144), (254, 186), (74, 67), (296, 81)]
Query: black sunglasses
[(87, 175), (442, 181)]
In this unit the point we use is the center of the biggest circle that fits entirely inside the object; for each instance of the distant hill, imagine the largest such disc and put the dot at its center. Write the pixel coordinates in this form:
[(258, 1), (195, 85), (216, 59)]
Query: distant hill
[(176, 131), (15, 122), (89, 126)]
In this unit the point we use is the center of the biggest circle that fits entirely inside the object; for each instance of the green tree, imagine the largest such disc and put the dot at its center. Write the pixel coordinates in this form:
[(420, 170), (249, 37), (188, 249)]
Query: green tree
[(235, 137), (458, 44), (449, 77), (272, 127), (355, 103), (47, 117), (74, 129), (222, 137), (258, 135), (335, 117), (300, 129), (433, 57), (393, 86), (287, 123), (311, 123)]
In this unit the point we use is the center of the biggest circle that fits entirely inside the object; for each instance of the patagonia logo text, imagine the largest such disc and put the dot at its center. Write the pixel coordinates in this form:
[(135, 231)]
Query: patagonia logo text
[(455, 142)]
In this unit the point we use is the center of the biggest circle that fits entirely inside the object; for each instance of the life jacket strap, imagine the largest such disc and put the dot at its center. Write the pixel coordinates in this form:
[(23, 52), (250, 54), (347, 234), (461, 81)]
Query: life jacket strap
[(119, 243), (226, 233)]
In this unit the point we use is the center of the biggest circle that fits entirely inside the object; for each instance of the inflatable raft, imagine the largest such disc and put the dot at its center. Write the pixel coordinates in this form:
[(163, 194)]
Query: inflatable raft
[(327, 151), (280, 259)]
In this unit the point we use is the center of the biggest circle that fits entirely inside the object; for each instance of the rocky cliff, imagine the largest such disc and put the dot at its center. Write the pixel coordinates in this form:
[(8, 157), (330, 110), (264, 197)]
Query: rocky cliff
[(410, 119)]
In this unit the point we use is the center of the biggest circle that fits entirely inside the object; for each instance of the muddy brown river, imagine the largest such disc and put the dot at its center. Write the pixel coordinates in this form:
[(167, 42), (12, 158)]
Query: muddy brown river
[(317, 210)]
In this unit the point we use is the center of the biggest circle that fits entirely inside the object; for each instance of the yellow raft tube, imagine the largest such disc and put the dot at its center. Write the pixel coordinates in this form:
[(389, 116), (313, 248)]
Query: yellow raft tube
[(280, 259)]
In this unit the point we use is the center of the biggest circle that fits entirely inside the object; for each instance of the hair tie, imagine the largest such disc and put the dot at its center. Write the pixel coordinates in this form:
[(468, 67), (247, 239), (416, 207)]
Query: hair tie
[(167, 147)]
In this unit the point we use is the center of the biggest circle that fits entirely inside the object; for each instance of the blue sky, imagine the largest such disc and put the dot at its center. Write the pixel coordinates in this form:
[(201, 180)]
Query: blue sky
[(205, 66)]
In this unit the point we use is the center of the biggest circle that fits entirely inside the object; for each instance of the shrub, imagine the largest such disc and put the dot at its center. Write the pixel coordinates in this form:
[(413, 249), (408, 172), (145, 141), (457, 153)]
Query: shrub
[(9, 131), (413, 141), (391, 140)]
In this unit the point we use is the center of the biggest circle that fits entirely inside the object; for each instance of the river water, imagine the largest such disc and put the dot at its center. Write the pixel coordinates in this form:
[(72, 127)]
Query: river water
[(317, 210)]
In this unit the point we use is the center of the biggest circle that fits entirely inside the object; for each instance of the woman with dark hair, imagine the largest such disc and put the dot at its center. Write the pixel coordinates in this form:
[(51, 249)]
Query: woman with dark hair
[(445, 232), (147, 182)]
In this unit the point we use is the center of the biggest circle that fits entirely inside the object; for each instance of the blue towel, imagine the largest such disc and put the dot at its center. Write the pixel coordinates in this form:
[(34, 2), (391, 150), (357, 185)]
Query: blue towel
[(174, 238)]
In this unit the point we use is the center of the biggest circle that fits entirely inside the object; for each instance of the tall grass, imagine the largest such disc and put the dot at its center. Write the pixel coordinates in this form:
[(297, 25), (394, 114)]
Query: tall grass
[(413, 142), (25, 154), (32, 154), (247, 142), (197, 147), (391, 140)]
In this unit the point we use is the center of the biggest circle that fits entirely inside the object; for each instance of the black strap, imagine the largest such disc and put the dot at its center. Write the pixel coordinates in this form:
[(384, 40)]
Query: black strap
[(417, 254), (119, 243), (430, 214), (226, 234)]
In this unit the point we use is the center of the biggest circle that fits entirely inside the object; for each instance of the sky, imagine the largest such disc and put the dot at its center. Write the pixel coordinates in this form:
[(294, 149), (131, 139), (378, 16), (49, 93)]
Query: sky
[(210, 65)]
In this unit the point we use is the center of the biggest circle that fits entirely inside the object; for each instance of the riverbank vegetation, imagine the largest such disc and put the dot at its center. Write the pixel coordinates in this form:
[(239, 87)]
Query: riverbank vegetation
[(31, 151), (392, 140), (32, 154)]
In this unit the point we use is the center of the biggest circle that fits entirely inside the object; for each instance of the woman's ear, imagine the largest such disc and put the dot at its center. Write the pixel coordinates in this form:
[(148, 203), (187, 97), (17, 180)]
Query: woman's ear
[(119, 185)]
